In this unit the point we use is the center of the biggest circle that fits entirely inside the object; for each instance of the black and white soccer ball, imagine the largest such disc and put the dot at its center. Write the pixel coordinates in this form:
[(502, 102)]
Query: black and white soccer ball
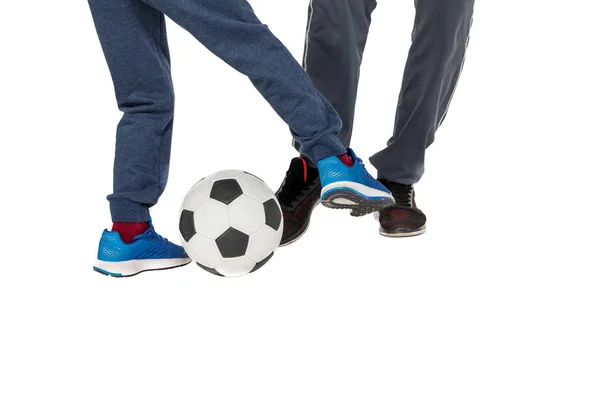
[(230, 223)]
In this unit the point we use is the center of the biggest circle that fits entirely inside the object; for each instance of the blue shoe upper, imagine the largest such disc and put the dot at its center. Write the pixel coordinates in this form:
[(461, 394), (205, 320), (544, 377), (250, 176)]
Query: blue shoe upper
[(148, 245), (332, 169)]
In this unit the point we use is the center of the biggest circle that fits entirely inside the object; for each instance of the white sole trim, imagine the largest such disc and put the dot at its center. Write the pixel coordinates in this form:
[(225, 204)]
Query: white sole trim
[(308, 27), (462, 64), (133, 267), (364, 190), (402, 234), (344, 202)]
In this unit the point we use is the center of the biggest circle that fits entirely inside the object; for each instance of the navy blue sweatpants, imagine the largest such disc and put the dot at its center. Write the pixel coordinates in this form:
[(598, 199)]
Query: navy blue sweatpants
[(134, 41)]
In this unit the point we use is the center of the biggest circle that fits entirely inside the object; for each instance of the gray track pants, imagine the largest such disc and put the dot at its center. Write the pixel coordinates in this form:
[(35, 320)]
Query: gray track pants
[(336, 38)]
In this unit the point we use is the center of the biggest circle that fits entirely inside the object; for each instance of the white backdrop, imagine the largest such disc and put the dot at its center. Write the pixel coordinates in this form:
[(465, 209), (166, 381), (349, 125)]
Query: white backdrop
[(499, 300)]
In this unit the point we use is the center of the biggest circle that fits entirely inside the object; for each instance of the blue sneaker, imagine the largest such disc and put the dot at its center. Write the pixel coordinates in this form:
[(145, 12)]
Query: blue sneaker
[(352, 187), (148, 252)]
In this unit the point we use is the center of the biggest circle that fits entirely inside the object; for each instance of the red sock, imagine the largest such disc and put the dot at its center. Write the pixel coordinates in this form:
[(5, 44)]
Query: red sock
[(346, 159), (129, 230)]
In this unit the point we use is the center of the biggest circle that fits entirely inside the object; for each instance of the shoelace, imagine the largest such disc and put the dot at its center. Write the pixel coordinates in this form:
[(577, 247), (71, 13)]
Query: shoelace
[(151, 233), (292, 190), (403, 194), (159, 243)]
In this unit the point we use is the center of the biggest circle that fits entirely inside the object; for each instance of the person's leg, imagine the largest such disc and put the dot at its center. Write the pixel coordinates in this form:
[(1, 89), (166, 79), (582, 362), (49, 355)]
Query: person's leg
[(336, 36), (435, 60), (231, 30), (134, 42)]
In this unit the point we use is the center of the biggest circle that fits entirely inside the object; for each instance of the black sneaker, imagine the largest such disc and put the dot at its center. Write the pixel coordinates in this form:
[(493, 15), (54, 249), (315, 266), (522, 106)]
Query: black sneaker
[(403, 219), (298, 195)]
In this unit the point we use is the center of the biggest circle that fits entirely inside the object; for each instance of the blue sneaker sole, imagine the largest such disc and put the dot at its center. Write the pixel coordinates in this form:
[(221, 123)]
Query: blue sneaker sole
[(103, 272), (119, 275), (358, 203)]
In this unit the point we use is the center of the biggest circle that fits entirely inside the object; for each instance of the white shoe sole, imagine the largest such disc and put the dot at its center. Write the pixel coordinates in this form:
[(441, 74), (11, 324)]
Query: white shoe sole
[(363, 191), (402, 234), (359, 198), (124, 269)]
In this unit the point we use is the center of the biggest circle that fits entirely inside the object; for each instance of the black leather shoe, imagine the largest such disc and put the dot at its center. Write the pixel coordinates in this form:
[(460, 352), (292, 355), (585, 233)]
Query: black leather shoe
[(403, 219), (298, 195)]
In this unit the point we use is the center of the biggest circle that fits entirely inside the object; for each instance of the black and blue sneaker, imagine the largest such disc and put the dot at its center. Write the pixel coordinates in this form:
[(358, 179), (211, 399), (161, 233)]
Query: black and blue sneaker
[(352, 187), (148, 252)]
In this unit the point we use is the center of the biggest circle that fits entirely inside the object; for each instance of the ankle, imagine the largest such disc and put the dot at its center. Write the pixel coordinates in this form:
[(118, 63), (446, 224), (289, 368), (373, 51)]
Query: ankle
[(129, 230), (346, 159)]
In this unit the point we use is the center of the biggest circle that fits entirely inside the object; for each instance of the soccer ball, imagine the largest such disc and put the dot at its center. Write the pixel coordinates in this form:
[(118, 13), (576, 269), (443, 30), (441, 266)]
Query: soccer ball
[(230, 223)]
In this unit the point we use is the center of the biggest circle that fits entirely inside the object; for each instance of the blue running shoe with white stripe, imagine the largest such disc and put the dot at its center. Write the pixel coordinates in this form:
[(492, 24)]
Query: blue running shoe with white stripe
[(352, 187), (148, 252)]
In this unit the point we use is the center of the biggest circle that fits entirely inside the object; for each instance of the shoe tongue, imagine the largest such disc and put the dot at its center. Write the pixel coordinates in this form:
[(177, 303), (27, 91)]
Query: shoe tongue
[(346, 159), (299, 170), (146, 232), (297, 164), (352, 154)]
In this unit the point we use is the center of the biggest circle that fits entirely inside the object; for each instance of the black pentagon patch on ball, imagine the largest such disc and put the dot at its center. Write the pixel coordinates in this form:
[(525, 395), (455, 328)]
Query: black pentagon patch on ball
[(272, 214), (263, 262), (232, 243), (186, 225), (226, 191), (211, 270)]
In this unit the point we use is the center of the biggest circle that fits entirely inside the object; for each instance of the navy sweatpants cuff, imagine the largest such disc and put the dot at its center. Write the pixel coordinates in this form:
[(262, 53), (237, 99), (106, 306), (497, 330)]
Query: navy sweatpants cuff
[(123, 210), (328, 146)]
